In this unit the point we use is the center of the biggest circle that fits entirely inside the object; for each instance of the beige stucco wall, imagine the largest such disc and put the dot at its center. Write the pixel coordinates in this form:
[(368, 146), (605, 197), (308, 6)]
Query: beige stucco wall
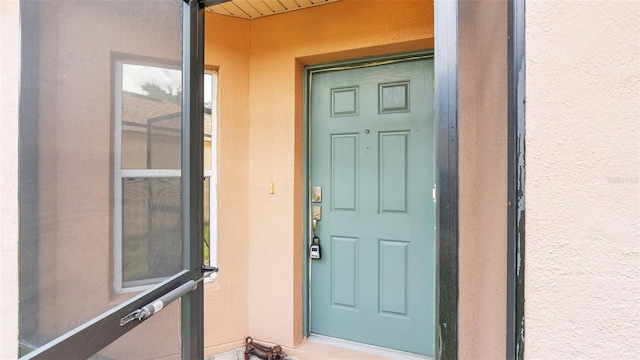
[(9, 68), (226, 299), (583, 180), (482, 28)]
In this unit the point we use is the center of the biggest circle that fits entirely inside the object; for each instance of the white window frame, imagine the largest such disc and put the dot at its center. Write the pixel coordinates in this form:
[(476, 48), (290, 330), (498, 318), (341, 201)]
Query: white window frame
[(213, 178), (119, 174)]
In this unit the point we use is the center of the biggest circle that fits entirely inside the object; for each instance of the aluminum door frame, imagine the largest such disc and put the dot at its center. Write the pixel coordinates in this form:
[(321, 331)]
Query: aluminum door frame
[(515, 336), (92, 336)]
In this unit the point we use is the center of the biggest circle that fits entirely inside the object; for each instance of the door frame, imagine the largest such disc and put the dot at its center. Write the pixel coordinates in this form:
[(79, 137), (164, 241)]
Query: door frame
[(306, 128), (515, 334), (447, 183)]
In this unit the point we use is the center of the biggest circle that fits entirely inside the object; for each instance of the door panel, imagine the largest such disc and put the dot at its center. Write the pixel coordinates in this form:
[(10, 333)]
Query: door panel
[(344, 163), (371, 151)]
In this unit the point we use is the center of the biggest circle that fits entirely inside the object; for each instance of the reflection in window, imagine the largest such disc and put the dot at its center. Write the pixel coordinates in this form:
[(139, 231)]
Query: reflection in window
[(147, 155), (150, 228), (76, 82), (147, 207), (150, 117), (210, 173)]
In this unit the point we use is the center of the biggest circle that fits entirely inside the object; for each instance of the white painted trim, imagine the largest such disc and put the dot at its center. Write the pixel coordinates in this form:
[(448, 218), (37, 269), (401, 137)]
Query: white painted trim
[(149, 173), (141, 285), (213, 179), (117, 180), (375, 350)]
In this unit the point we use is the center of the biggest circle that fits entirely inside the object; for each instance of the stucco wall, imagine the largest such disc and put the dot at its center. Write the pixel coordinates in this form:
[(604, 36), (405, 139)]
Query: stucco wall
[(280, 45), (482, 29), (582, 188), (9, 68), (226, 299)]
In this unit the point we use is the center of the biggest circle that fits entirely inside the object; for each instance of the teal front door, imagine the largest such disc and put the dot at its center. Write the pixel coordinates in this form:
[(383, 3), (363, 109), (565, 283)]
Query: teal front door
[(372, 154)]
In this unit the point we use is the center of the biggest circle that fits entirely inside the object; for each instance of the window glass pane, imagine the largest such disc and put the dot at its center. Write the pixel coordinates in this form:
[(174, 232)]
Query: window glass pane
[(208, 103), (206, 233), (150, 117), (151, 246), (210, 170), (92, 136), (147, 143)]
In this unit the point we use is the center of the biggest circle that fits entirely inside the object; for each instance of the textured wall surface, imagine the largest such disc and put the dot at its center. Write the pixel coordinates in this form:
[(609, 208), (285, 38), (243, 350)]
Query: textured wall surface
[(582, 186), (226, 300), (482, 121), (9, 68)]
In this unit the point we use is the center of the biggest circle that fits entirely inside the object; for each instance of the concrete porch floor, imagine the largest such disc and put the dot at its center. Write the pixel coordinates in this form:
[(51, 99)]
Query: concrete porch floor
[(320, 348)]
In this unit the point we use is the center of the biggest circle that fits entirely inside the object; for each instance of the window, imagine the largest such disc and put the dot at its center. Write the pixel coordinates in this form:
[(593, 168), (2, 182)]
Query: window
[(147, 186), (210, 171)]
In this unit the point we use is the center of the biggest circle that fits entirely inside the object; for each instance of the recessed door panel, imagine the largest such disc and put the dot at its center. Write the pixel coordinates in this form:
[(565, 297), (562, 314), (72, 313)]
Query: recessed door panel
[(344, 171), (344, 272), (392, 290), (394, 167)]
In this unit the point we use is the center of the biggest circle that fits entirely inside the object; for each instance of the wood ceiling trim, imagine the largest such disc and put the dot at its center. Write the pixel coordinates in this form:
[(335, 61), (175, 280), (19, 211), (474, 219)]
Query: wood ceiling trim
[(253, 9)]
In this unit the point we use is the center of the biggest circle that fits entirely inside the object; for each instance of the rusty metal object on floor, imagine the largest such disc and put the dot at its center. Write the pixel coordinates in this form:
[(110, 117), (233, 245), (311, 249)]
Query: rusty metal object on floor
[(262, 351)]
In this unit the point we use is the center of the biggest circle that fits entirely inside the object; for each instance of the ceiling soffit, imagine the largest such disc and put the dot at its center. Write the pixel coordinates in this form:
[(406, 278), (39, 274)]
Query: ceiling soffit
[(253, 9)]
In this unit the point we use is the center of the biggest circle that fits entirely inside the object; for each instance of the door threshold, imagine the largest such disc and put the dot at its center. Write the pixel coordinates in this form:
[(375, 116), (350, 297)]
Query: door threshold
[(366, 348)]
